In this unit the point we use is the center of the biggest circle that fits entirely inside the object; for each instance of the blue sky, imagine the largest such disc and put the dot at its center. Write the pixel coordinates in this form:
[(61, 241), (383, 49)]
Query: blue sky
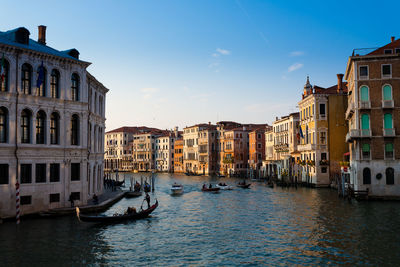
[(177, 63)]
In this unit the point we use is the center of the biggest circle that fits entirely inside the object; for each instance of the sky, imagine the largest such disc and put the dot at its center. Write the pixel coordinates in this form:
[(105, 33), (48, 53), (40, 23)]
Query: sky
[(179, 63)]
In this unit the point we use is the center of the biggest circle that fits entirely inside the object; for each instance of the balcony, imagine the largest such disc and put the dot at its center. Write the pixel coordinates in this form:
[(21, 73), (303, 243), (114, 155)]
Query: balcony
[(387, 104), (365, 104), (306, 147), (389, 132), (350, 110), (357, 133)]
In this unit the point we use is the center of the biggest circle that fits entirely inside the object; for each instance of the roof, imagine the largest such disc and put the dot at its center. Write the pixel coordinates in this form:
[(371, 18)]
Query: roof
[(330, 90), (133, 129), (205, 125), (8, 38), (381, 50)]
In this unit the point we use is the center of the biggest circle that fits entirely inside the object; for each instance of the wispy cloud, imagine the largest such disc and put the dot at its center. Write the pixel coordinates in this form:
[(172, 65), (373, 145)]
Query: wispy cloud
[(223, 51), (296, 53), (148, 92), (295, 66)]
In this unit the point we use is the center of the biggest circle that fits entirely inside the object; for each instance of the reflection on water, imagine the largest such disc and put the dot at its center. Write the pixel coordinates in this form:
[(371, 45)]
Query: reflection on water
[(259, 225)]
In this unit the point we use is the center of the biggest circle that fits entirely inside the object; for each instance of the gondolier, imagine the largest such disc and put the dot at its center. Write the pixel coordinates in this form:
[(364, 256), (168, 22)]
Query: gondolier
[(147, 198)]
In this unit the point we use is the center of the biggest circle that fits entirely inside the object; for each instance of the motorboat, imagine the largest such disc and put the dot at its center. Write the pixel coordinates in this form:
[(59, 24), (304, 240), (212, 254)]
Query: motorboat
[(177, 189), (209, 188)]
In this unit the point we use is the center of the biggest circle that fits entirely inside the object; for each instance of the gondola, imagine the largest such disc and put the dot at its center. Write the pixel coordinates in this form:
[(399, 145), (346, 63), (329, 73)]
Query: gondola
[(243, 185), (117, 218), (119, 183), (131, 194), (214, 189)]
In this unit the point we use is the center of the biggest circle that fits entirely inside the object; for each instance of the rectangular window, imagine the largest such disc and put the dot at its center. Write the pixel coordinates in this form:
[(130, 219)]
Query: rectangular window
[(323, 138), (388, 51), (26, 173), (386, 70), (40, 173), (364, 72), (3, 173), (397, 51), (366, 151), (26, 200), (324, 169), (54, 198), (323, 156), (75, 171), (322, 110), (389, 151), (76, 195), (54, 172)]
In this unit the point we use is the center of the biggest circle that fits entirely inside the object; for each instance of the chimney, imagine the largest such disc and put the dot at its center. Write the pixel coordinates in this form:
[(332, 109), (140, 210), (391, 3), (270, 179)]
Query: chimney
[(42, 34), (392, 39), (339, 83)]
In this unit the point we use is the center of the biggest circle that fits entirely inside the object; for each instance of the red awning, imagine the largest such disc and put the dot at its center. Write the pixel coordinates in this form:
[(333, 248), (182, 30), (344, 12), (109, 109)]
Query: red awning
[(346, 154)]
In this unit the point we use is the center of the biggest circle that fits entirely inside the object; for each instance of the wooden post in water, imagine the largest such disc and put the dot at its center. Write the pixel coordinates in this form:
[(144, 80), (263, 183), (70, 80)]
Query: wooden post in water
[(141, 183)]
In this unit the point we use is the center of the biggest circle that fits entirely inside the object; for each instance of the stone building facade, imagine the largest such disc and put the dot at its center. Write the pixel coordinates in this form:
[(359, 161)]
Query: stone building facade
[(374, 121), (52, 116)]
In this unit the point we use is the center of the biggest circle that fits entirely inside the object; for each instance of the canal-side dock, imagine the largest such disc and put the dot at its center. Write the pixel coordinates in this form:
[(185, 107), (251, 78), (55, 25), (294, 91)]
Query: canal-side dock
[(105, 200)]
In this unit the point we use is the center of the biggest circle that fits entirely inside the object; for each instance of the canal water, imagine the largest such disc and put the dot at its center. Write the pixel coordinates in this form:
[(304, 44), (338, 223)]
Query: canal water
[(256, 226)]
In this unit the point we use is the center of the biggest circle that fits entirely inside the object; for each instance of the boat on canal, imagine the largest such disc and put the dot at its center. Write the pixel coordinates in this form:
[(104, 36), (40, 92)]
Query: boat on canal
[(132, 194), (224, 186), (209, 188), (118, 217), (243, 185), (177, 189)]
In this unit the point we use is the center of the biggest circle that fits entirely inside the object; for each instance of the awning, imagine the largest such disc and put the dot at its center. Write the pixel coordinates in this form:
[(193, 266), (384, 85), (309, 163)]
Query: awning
[(346, 154)]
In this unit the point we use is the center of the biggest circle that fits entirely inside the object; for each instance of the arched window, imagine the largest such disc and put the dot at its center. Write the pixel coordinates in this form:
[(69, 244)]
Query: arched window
[(389, 176), (26, 126), (54, 128), (75, 87), (367, 176), (5, 69), (387, 121), (365, 121), (41, 127), (26, 78), (387, 92), (364, 92), (55, 84), (41, 81), (3, 125), (75, 130)]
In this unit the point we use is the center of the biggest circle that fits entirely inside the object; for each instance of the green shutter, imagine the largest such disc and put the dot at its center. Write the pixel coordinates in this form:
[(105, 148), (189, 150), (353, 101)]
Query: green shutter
[(365, 121), (388, 121), (365, 148), (364, 93), (389, 147), (387, 92)]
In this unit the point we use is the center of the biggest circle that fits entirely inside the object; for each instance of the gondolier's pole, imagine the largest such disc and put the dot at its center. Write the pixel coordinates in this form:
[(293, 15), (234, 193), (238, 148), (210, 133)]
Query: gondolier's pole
[(152, 182), (17, 201)]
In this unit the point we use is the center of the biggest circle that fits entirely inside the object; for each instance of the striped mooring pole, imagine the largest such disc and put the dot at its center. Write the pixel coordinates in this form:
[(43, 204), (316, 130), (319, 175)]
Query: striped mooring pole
[(17, 201)]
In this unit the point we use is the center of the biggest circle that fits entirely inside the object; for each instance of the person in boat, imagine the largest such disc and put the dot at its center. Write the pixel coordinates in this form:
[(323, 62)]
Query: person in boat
[(204, 186), (137, 187), (130, 210), (71, 199), (147, 198), (210, 186)]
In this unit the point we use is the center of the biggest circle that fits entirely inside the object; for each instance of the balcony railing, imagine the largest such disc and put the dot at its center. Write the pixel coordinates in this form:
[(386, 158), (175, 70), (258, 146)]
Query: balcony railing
[(389, 132), (306, 147), (358, 133), (365, 104), (350, 110), (387, 103)]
